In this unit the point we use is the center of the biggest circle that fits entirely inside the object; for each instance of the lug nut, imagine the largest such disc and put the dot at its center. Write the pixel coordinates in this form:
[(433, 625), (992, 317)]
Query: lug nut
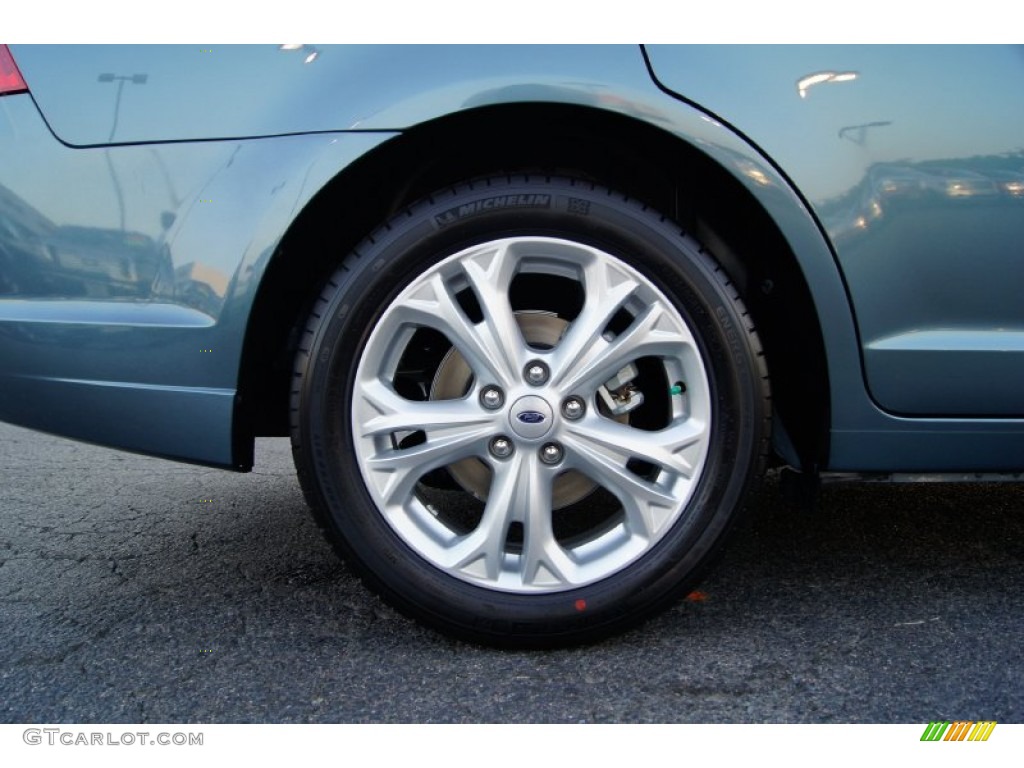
[(551, 453), (501, 447), (536, 373), (492, 398), (573, 408)]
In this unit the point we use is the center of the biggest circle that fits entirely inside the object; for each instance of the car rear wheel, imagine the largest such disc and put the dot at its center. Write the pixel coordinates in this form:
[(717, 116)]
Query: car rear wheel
[(528, 410)]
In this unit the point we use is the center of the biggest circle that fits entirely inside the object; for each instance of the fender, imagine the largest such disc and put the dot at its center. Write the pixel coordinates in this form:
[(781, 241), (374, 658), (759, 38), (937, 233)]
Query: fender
[(121, 308)]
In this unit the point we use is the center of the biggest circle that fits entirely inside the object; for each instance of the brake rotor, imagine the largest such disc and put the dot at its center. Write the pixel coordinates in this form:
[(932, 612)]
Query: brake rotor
[(541, 330)]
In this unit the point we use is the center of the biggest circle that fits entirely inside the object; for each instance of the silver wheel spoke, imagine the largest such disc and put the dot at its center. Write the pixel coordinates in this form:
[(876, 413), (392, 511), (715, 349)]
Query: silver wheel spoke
[(490, 273), (482, 551), (655, 333), (614, 287), (520, 493), (608, 468), (665, 448), (647, 504), (454, 429), (543, 561), (398, 470), (432, 305), (383, 411)]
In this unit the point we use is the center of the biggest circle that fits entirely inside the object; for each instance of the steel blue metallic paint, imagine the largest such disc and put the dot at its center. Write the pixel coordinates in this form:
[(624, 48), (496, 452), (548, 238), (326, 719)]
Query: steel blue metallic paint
[(235, 91), (136, 342), (899, 151), (120, 266)]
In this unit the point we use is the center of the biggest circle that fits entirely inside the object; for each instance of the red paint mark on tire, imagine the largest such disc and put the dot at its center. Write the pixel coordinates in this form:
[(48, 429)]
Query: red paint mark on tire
[(696, 597), (581, 605)]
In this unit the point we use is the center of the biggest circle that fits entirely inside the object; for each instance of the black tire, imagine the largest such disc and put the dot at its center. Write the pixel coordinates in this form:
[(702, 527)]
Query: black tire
[(585, 570)]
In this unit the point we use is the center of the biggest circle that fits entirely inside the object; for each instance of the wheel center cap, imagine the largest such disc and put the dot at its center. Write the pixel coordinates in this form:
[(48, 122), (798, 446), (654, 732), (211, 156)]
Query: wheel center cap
[(531, 417)]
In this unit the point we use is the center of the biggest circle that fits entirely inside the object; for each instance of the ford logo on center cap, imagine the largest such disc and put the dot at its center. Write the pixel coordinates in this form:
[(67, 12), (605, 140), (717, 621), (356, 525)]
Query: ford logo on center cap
[(531, 417)]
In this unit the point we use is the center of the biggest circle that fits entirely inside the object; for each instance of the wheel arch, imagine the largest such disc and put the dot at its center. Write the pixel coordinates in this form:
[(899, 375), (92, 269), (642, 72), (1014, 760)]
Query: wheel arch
[(621, 152)]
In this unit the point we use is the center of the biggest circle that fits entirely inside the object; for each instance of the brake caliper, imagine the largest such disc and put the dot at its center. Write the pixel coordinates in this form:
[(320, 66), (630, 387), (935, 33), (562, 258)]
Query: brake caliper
[(619, 394)]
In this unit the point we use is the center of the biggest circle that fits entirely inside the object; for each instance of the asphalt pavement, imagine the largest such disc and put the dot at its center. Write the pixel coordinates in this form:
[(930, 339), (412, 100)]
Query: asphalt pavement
[(139, 590)]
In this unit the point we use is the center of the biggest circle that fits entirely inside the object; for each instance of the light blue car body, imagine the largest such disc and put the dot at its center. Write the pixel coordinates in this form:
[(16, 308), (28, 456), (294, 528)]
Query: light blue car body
[(161, 208)]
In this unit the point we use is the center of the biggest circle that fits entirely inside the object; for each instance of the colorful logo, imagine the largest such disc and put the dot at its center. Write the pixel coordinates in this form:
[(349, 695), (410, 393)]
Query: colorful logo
[(961, 730)]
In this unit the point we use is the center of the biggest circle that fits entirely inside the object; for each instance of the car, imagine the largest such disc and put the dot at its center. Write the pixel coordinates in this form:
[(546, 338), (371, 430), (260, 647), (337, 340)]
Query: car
[(536, 319)]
